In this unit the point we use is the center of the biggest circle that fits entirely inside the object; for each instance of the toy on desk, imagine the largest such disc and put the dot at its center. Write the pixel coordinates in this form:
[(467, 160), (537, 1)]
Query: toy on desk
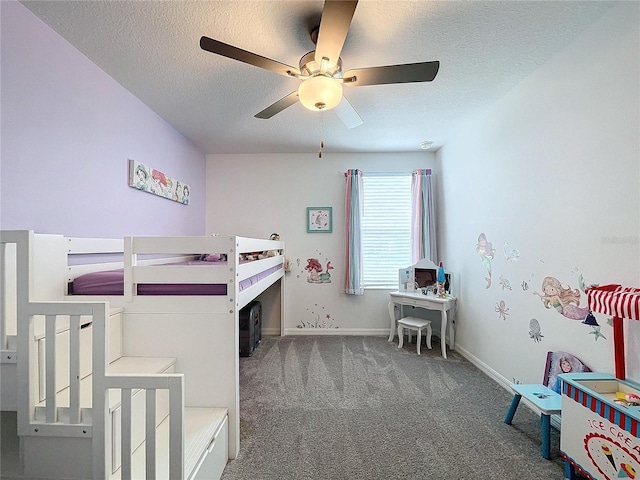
[(440, 291)]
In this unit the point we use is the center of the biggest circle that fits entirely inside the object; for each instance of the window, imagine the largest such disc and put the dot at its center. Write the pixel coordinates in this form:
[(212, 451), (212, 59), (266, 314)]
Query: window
[(385, 228)]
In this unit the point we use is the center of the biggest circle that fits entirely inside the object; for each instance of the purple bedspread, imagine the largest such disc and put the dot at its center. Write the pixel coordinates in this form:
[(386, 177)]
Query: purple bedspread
[(111, 282)]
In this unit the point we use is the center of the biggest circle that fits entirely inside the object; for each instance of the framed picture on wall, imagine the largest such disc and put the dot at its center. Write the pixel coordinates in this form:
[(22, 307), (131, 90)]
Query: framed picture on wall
[(319, 220)]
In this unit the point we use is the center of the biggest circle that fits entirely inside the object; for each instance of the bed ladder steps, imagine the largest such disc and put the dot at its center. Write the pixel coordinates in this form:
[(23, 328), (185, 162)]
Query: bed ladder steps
[(206, 432)]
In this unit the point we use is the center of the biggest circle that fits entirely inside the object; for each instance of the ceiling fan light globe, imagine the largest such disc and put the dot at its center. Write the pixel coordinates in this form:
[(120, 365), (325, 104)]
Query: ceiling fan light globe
[(320, 93)]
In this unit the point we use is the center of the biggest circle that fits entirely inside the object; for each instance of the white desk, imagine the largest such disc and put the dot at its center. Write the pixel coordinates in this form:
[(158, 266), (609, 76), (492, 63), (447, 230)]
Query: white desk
[(429, 302)]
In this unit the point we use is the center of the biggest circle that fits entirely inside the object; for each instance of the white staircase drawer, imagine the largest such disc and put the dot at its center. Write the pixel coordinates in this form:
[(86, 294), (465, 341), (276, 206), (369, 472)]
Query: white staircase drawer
[(215, 458)]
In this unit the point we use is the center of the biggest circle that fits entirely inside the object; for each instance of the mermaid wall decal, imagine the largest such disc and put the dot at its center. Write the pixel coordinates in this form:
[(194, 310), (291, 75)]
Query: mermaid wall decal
[(485, 249), (565, 300)]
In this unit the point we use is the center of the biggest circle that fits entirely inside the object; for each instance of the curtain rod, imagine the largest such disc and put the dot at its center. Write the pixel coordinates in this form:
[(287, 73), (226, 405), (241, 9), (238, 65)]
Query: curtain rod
[(386, 174)]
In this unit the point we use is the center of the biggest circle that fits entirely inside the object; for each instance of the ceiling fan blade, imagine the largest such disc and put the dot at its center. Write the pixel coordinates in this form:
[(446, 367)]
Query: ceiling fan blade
[(235, 53), (277, 107), (334, 26), (406, 73), (348, 114)]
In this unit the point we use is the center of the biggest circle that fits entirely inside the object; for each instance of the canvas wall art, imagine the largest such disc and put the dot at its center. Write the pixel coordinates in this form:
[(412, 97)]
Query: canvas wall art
[(153, 181)]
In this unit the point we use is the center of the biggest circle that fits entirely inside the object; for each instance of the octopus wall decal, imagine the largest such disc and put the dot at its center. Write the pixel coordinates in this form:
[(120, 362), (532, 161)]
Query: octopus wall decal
[(502, 310), (535, 333)]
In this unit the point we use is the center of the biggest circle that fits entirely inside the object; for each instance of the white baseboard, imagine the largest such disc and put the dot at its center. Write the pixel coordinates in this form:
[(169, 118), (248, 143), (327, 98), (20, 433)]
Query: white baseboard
[(370, 332), (270, 332), (503, 382), (486, 369)]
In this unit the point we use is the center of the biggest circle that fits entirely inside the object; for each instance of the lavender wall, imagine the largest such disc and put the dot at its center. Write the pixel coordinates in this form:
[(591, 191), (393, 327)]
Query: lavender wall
[(67, 131)]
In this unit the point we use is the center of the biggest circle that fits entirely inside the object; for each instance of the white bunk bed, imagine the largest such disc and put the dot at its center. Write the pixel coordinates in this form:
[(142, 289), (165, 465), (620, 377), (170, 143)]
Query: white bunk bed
[(135, 343)]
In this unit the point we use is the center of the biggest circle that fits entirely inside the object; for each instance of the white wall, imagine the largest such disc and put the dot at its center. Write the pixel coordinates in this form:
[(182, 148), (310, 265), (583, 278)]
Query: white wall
[(552, 169), (270, 193)]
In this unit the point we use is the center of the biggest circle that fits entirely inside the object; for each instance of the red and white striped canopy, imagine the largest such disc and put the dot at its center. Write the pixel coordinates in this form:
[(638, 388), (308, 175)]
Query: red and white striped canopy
[(614, 300)]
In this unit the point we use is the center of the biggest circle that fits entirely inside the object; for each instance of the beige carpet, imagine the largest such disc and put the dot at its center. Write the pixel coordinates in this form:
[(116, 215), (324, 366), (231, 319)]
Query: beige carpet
[(319, 407)]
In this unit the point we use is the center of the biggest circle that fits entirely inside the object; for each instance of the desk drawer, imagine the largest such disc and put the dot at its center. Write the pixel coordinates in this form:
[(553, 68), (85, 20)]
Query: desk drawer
[(414, 302), (422, 303)]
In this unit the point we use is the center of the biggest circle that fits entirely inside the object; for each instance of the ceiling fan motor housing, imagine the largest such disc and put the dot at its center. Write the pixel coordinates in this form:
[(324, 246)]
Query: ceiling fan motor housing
[(309, 67)]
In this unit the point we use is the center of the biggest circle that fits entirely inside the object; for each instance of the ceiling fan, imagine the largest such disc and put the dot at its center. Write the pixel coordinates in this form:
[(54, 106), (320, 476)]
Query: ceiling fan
[(320, 70)]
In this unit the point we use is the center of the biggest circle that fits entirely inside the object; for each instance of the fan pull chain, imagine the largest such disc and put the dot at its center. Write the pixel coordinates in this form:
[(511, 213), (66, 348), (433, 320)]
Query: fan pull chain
[(321, 141)]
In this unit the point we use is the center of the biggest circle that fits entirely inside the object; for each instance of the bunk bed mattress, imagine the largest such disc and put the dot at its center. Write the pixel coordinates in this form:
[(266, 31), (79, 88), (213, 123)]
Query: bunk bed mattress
[(111, 282)]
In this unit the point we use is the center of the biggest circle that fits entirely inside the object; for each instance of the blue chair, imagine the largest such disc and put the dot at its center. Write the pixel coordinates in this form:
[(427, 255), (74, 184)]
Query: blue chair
[(546, 397)]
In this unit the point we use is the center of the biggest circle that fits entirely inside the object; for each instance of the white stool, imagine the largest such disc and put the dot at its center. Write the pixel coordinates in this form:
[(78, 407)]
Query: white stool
[(413, 323)]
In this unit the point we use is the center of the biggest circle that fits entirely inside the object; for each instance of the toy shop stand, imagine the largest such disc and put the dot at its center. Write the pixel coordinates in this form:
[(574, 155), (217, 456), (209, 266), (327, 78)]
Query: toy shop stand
[(601, 412)]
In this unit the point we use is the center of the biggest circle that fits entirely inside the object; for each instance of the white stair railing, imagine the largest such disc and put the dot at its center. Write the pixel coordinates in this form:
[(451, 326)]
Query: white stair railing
[(16, 280), (16, 250), (54, 424), (127, 383), (4, 304), (96, 425)]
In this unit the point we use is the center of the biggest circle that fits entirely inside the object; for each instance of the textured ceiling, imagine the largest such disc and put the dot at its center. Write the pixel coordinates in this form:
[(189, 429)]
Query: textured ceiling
[(152, 48)]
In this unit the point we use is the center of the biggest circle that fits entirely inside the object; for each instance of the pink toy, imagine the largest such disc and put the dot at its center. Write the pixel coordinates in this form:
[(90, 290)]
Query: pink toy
[(632, 398)]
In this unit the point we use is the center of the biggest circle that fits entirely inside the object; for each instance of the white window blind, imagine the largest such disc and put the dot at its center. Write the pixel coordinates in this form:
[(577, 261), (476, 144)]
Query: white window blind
[(386, 228)]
